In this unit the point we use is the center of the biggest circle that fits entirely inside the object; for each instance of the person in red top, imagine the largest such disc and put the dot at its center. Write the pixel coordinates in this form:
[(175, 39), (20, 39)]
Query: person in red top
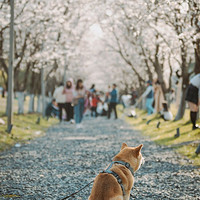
[(94, 103)]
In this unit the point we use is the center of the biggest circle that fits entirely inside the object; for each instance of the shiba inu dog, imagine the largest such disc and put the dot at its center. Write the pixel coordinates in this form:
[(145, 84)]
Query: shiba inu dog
[(116, 181)]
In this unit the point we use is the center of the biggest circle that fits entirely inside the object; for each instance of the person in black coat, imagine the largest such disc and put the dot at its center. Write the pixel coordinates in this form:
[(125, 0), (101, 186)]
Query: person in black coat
[(193, 98)]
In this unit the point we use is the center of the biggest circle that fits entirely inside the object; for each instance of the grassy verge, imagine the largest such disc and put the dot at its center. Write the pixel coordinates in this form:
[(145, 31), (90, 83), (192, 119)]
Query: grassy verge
[(24, 129), (164, 135), (24, 126)]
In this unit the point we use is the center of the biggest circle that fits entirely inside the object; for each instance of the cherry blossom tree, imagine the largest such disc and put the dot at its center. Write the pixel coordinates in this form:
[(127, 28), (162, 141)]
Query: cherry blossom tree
[(126, 42), (158, 36)]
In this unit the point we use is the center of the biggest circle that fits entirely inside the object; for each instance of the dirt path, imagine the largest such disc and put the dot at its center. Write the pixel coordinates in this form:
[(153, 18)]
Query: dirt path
[(66, 159)]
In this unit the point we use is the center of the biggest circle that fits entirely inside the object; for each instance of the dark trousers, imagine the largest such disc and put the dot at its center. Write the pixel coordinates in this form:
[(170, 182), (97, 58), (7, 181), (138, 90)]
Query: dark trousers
[(112, 106), (70, 111), (61, 106), (94, 110)]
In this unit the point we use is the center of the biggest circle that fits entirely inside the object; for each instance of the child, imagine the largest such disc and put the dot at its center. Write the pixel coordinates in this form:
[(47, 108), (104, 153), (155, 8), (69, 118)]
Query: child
[(165, 113), (94, 103), (52, 109)]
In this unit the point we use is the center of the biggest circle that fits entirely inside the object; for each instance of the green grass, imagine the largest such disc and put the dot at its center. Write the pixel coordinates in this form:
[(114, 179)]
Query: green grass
[(24, 127), (165, 134)]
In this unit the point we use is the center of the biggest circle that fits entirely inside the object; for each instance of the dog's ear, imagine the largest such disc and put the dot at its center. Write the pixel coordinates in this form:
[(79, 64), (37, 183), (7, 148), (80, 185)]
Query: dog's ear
[(138, 149), (124, 145)]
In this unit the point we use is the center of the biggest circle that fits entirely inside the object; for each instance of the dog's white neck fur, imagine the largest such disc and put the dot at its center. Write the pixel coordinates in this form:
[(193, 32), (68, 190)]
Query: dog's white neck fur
[(142, 161)]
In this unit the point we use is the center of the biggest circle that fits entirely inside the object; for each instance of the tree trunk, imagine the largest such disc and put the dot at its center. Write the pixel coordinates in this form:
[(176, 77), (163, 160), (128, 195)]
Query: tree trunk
[(31, 103), (16, 81), (159, 72), (26, 76), (39, 110), (20, 97), (3, 63), (185, 76), (181, 109), (5, 81)]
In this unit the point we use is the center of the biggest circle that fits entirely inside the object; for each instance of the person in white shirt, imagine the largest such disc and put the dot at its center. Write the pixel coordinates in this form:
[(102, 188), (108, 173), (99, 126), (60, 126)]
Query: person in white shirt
[(60, 99), (193, 98)]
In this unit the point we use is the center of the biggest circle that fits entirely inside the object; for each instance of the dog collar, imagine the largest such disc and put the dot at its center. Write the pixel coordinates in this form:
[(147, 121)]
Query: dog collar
[(127, 165), (119, 180)]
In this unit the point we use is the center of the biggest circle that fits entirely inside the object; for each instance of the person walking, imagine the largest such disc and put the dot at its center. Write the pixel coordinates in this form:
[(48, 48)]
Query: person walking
[(149, 95), (193, 98), (78, 101), (113, 101), (68, 91), (60, 99)]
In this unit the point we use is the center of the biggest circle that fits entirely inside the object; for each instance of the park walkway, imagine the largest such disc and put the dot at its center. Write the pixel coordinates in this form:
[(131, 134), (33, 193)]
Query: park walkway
[(66, 159)]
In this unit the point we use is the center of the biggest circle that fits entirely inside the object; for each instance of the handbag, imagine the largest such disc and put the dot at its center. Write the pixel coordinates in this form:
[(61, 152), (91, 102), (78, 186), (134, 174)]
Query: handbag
[(75, 101)]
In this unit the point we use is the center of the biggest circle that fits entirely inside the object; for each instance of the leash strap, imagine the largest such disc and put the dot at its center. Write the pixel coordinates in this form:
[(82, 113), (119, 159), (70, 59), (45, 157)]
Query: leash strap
[(72, 195), (127, 165)]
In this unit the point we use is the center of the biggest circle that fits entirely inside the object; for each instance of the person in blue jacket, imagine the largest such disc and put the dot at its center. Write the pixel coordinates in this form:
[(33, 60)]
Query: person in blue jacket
[(149, 96), (113, 101)]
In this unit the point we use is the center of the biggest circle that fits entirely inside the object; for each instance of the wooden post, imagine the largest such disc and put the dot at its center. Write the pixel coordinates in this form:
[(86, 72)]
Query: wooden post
[(10, 70), (43, 92)]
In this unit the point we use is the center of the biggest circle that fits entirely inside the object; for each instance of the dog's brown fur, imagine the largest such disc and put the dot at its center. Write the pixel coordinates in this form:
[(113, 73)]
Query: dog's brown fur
[(106, 186)]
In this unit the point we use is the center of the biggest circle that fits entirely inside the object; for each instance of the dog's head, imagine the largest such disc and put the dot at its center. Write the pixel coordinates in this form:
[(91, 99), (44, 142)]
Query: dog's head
[(132, 155)]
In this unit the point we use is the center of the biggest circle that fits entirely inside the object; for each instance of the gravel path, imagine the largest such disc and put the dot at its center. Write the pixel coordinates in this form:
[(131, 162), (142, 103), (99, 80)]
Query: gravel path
[(66, 159)]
